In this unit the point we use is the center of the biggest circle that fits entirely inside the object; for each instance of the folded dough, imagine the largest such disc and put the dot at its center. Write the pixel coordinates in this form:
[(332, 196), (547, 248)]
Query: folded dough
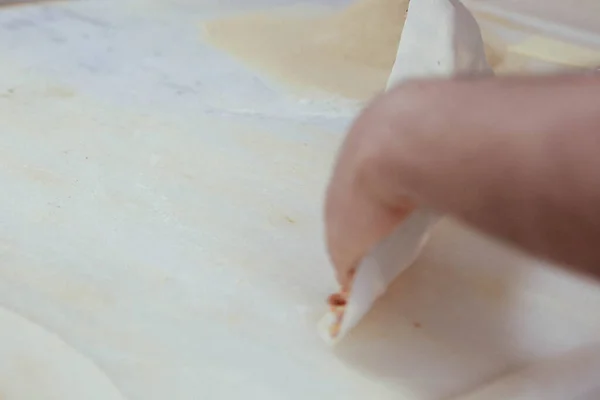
[(440, 39)]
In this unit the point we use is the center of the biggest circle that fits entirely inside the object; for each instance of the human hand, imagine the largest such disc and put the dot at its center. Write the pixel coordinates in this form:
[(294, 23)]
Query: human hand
[(517, 158)]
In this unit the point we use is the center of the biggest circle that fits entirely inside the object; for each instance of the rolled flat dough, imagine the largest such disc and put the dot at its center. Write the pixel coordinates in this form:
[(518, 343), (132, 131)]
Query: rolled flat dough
[(574, 375), (348, 53), (36, 364)]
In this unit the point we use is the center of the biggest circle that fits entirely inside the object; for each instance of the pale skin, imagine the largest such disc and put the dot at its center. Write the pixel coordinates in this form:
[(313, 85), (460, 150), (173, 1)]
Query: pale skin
[(517, 158)]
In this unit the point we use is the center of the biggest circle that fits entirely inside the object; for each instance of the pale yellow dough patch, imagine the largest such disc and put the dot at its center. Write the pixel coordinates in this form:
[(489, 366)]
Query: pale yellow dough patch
[(349, 53), (557, 51)]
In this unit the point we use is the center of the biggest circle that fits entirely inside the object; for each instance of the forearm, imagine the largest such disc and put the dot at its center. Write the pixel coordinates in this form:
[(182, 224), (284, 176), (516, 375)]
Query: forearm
[(518, 158)]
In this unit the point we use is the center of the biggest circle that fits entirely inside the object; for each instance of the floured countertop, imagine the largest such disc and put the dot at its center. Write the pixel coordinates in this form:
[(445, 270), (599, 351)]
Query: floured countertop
[(162, 216)]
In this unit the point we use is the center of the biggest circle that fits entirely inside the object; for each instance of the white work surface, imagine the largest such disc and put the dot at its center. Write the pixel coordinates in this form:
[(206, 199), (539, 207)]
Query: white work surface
[(161, 213)]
